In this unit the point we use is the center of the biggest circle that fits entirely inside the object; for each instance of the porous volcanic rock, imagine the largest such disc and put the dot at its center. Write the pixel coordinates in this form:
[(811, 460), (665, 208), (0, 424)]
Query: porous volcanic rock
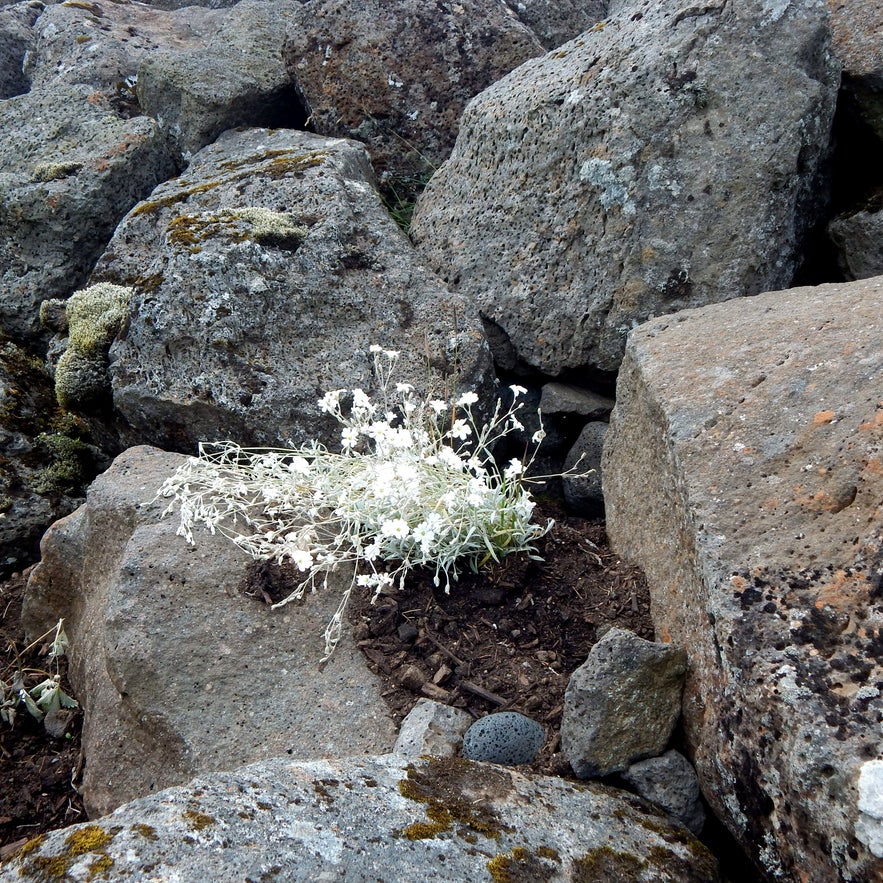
[(375, 818), (397, 76), (179, 673), (668, 159), (743, 472), (16, 39), (260, 277), (557, 21), (859, 241), (70, 168)]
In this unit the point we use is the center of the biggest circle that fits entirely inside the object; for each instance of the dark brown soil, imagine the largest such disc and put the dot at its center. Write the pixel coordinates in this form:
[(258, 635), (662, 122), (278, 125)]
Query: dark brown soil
[(37, 771), (508, 638)]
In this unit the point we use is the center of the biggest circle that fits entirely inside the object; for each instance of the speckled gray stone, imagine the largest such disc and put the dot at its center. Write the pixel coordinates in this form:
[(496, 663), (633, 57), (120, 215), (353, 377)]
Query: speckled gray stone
[(506, 737)]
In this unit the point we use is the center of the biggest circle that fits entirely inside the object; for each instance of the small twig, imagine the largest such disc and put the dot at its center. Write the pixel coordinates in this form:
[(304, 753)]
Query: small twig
[(482, 693), (455, 659)]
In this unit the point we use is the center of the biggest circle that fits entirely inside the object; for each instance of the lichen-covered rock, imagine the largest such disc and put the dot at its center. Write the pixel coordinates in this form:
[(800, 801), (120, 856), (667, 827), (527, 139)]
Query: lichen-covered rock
[(671, 782), (665, 159), (557, 21), (374, 818), (237, 78), (621, 705), (397, 76), (858, 239), (70, 168), (177, 670), (505, 737), (432, 728), (261, 277), (743, 472)]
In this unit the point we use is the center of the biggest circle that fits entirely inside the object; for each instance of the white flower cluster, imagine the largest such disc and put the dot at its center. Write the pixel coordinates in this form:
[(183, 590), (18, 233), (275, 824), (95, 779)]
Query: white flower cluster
[(415, 485)]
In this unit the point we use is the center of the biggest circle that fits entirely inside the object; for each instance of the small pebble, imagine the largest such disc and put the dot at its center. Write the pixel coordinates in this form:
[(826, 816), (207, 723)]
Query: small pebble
[(506, 737)]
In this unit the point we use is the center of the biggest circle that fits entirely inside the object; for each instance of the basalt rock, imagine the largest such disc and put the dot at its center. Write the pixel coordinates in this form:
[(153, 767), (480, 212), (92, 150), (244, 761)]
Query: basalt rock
[(742, 471)]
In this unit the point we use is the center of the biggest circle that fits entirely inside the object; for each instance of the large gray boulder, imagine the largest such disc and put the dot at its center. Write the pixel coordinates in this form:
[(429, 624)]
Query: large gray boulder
[(742, 471), (398, 75), (667, 159), (237, 78), (101, 43), (70, 168), (177, 671), (260, 277), (373, 818)]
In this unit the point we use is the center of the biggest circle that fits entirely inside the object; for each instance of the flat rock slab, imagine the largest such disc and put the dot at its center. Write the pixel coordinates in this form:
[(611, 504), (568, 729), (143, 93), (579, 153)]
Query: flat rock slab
[(375, 818), (743, 472), (177, 671)]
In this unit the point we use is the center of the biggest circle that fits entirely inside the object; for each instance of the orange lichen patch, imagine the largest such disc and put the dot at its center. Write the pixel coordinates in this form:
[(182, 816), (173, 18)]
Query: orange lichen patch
[(665, 635), (874, 466), (770, 503), (846, 590), (840, 496), (739, 583), (823, 417), (876, 422)]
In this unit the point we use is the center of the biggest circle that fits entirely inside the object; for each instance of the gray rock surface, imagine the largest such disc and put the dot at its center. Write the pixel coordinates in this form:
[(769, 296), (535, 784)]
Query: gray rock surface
[(505, 737), (584, 491), (557, 21), (621, 705), (101, 43), (375, 818), (665, 160), (16, 39), (432, 728), (398, 75), (670, 782), (177, 671), (261, 277), (70, 168), (742, 471), (859, 242), (237, 79), (565, 398), (856, 26)]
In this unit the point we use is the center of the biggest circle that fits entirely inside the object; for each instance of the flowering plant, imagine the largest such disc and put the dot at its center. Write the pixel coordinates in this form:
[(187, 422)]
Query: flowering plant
[(415, 485)]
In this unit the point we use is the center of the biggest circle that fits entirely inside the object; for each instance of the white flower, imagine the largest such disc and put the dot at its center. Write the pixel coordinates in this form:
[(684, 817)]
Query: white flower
[(330, 402), (438, 406), (515, 425), (391, 354), (449, 457), (396, 528), (361, 402), (514, 468), (349, 438), (404, 387), (517, 390), (424, 534), (375, 348), (302, 558), (371, 552), (299, 465), (538, 436), (467, 399), (460, 430)]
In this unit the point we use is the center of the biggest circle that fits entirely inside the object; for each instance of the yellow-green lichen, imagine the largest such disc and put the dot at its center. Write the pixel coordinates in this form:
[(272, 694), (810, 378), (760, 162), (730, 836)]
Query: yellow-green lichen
[(267, 227), (198, 821), (101, 866), (54, 171), (47, 868), (28, 847), (454, 791), (95, 316), (608, 865), (94, 8), (520, 866), (90, 838)]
